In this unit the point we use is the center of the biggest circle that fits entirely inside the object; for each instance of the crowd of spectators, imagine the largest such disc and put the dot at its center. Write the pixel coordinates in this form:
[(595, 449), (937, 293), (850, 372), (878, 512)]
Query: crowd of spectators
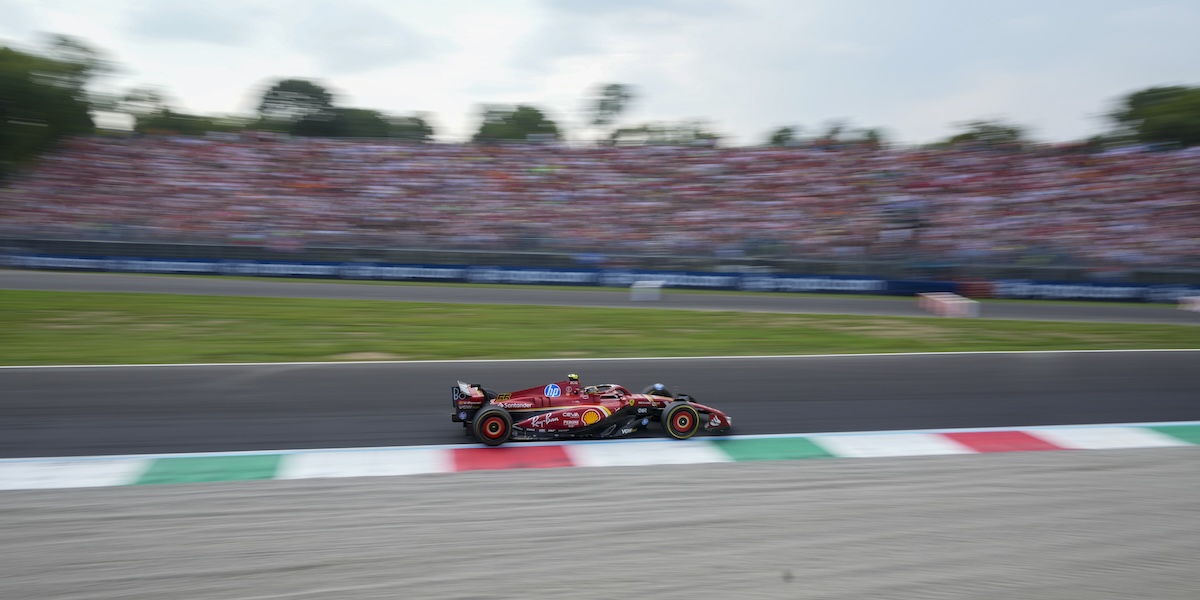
[(1133, 208)]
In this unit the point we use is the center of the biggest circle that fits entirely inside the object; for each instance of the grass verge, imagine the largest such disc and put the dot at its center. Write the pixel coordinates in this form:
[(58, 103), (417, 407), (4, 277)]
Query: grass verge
[(39, 328)]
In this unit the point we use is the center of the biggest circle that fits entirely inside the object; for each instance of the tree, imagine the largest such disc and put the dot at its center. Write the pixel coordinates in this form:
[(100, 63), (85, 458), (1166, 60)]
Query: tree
[(989, 133), (152, 113), (784, 136), (1136, 106), (1162, 115), (176, 123), (683, 133), (72, 64), (303, 108), (365, 123), (833, 131), (874, 137), (503, 122), (292, 100), (43, 98), (613, 100), (870, 137), (141, 101), (331, 123), (414, 128)]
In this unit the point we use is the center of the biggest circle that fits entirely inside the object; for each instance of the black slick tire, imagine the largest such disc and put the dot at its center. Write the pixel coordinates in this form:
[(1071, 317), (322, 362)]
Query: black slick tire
[(681, 420), (492, 426)]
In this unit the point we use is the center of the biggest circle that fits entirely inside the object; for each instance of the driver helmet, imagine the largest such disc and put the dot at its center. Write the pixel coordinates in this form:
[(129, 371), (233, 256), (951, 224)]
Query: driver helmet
[(659, 389), (572, 377)]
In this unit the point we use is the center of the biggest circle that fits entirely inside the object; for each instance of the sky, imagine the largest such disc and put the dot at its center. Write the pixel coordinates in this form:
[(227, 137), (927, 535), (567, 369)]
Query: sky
[(914, 68)]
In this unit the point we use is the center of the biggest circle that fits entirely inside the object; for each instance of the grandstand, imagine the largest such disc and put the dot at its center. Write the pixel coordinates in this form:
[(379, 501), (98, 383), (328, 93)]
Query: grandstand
[(1094, 213)]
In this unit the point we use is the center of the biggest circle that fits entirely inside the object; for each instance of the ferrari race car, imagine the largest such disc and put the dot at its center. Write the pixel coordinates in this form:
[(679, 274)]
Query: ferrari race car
[(566, 410)]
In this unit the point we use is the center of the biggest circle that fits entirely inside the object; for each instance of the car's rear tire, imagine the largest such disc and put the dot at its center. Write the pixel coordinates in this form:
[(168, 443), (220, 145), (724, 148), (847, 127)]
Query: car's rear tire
[(681, 420), (492, 426)]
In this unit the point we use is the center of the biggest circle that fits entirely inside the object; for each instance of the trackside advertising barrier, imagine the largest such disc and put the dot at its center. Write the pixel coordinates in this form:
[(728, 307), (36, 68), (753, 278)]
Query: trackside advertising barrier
[(1060, 290), (481, 274), (757, 282)]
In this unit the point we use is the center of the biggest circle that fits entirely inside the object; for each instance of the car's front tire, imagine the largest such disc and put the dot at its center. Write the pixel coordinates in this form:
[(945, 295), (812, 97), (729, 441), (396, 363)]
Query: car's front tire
[(681, 420), (492, 426)]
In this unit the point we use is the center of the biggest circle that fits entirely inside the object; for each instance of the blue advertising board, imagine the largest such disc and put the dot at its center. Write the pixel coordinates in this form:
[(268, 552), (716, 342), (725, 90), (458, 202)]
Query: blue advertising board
[(760, 282)]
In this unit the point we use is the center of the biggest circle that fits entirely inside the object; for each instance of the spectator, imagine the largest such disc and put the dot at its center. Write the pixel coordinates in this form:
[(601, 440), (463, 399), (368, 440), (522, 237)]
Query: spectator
[(1131, 209)]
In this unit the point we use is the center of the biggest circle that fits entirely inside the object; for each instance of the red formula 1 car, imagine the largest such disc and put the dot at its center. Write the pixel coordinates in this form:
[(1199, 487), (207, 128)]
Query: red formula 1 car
[(566, 410)]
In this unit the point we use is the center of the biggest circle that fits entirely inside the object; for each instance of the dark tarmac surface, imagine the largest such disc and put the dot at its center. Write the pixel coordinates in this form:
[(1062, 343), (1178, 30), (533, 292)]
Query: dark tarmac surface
[(139, 409)]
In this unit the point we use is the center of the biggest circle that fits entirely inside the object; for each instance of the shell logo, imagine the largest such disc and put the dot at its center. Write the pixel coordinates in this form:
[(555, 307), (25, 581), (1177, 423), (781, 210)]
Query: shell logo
[(590, 417)]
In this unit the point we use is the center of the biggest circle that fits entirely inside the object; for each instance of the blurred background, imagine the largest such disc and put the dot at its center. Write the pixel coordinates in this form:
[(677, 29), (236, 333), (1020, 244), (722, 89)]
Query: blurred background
[(910, 139)]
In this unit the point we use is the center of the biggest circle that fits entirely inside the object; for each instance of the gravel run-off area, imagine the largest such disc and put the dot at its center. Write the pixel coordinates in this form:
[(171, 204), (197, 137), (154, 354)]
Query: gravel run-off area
[(1090, 525)]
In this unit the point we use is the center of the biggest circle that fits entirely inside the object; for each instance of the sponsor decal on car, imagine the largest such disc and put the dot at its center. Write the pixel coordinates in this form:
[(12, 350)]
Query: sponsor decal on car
[(552, 390), (543, 420), (511, 404), (591, 417), (714, 421)]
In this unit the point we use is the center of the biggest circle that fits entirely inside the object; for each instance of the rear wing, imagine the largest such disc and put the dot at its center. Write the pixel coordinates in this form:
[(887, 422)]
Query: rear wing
[(463, 390)]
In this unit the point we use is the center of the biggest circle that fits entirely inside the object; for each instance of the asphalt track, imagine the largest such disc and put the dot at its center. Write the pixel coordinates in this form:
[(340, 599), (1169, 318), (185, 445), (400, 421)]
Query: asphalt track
[(120, 410), (593, 297)]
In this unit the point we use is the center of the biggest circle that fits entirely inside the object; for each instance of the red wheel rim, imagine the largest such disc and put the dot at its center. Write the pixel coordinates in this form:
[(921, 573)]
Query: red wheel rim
[(494, 427), (682, 421)]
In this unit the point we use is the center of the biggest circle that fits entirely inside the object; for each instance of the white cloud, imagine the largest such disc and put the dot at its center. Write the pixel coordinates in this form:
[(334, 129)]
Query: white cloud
[(210, 22), (1172, 15), (574, 28), (747, 66), (639, 8), (16, 20), (564, 37), (1025, 23), (350, 37)]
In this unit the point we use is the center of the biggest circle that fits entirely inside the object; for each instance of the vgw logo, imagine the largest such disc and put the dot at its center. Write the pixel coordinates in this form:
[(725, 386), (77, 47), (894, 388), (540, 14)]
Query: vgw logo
[(553, 390)]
